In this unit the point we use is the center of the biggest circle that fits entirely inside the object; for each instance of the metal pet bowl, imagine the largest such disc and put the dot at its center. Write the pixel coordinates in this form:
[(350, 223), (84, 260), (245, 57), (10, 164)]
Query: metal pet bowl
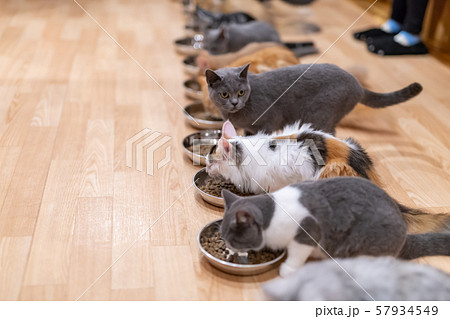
[(192, 118), (301, 49), (207, 137), (192, 89), (191, 31), (189, 45), (190, 65), (232, 268), (200, 179)]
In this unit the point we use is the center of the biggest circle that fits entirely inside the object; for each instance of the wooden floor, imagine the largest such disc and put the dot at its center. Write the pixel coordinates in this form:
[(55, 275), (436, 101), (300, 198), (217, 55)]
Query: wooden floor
[(70, 99)]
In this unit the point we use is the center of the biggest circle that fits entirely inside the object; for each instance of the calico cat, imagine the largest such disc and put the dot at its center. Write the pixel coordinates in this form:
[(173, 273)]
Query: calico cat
[(204, 20), (205, 60), (296, 154), (232, 37), (337, 217), (320, 94), (384, 278), (261, 61)]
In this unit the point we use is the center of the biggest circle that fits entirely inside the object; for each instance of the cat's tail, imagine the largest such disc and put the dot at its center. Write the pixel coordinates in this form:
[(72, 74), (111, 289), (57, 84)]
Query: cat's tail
[(380, 100), (420, 245), (420, 222)]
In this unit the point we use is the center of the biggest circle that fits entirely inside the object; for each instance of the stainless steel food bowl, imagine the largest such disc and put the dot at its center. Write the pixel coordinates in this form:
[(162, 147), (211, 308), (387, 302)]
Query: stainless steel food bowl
[(190, 65), (189, 45), (200, 179), (192, 89), (207, 137), (190, 112), (190, 31), (232, 268)]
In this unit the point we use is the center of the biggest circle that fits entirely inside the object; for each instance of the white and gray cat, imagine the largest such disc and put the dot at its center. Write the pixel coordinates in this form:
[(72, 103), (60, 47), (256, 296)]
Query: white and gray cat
[(320, 94), (384, 278), (232, 37), (338, 217)]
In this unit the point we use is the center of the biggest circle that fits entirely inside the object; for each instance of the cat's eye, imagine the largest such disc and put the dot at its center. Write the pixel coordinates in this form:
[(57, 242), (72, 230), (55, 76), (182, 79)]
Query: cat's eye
[(241, 93), (225, 95)]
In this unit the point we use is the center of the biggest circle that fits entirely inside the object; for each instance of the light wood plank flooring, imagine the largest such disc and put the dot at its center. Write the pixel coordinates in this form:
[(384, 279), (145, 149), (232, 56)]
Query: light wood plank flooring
[(70, 99)]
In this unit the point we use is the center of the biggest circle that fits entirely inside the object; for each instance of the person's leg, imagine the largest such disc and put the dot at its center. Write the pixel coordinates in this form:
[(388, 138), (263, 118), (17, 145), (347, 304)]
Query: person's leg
[(408, 40), (414, 16), (390, 27), (412, 26), (398, 12)]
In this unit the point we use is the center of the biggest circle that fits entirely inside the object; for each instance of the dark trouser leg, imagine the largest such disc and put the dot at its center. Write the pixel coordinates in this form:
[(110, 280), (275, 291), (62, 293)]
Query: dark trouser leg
[(415, 12), (399, 10)]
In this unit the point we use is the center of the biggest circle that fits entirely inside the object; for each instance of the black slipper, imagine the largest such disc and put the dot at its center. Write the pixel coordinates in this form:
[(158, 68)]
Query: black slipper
[(387, 46), (370, 34)]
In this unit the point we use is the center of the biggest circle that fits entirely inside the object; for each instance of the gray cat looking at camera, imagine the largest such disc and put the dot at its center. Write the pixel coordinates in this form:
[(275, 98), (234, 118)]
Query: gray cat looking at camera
[(319, 94)]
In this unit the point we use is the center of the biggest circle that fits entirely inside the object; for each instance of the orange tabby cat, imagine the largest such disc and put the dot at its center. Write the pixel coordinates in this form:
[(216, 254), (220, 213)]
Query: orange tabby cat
[(205, 60), (261, 61)]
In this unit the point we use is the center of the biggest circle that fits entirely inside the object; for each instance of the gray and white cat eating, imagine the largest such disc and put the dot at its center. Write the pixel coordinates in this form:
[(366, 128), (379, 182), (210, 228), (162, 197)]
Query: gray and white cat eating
[(337, 217)]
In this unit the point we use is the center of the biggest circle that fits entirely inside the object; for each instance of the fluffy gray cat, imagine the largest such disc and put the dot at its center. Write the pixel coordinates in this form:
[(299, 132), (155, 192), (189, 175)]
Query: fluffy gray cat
[(344, 216), (384, 278), (232, 37), (204, 19), (322, 96)]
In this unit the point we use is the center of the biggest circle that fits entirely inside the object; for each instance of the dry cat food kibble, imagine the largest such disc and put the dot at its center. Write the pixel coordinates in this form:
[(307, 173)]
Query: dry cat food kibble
[(204, 149), (214, 187), (216, 246)]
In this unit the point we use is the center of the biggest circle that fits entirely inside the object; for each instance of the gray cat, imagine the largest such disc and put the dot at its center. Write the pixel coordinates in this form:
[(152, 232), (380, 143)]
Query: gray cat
[(322, 96), (344, 216), (204, 19), (232, 37), (384, 278)]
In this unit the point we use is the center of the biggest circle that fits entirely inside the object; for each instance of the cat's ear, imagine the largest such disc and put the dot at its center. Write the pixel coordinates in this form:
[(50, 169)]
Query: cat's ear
[(228, 130), (244, 71), (222, 34), (244, 218), (225, 146), (200, 9), (212, 77), (229, 197), (202, 13)]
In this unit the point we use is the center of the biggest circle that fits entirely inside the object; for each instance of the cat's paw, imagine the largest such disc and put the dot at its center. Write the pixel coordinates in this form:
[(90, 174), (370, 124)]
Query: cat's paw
[(286, 270)]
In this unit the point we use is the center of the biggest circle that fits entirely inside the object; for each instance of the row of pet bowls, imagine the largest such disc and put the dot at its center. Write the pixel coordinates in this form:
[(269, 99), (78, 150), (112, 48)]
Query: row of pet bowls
[(208, 137), (242, 267)]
